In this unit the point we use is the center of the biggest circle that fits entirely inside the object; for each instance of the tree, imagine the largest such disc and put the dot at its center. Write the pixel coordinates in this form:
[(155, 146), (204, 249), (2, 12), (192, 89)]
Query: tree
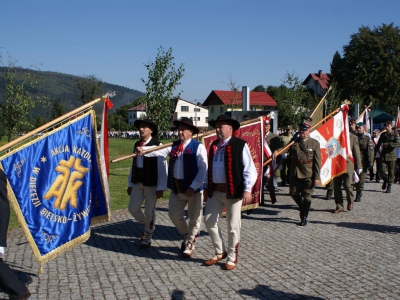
[(57, 110), (162, 80), (259, 88), (18, 101), (89, 88), (369, 70)]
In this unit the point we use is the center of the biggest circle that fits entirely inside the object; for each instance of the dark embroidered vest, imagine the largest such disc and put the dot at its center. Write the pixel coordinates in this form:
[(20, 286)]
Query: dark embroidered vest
[(190, 168), (149, 175), (233, 171)]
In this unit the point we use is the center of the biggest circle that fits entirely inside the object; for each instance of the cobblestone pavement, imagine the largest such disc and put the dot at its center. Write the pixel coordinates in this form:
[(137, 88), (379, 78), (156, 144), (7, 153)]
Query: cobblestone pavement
[(351, 255)]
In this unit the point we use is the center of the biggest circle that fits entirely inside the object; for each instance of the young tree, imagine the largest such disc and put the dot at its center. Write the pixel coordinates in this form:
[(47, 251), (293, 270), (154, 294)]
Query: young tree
[(18, 101), (57, 110), (162, 80), (369, 69), (89, 88)]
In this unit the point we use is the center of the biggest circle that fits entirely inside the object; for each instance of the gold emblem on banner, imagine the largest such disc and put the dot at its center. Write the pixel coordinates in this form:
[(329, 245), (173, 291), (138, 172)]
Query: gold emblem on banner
[(66, 185)]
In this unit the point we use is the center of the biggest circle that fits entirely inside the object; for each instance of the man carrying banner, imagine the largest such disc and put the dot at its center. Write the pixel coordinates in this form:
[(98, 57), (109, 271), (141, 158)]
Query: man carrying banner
[(367, 158), (305, 166), (9, 282), (375, 138), (389, 141), (186, 173), (272, 140), (146, 181), (231, 175), (353, 162)]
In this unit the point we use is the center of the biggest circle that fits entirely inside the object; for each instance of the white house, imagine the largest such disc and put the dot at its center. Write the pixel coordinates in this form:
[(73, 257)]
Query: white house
[(137, 112), (197, 113)]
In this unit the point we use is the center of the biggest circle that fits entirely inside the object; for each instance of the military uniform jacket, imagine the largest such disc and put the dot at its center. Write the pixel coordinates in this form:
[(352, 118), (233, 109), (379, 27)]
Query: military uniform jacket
[(355, 149), (285, 139), (389, 141), (366, 150), (306, 165)]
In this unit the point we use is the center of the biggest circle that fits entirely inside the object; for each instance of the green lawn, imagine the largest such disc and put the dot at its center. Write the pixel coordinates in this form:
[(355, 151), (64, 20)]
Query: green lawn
[(118, 176)]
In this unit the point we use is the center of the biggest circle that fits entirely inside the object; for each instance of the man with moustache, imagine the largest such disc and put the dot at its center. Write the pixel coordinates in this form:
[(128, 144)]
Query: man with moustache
[(186, 173), (231, 175), (9, 282), (146, 181)]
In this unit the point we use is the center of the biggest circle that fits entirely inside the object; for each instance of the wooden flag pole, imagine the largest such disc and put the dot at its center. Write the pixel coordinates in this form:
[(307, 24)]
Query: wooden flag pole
[(51, 123), (321, 102), (198, 136)]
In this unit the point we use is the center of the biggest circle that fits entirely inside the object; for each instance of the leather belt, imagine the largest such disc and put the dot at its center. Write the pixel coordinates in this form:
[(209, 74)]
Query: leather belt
[(219, 187), (180, 185), (303, 162)]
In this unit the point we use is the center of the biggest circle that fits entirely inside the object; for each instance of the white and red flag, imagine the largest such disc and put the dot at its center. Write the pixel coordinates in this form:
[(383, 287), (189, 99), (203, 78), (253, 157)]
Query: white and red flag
[(104, 157), (397, 124), (334, 140), (366, 119)]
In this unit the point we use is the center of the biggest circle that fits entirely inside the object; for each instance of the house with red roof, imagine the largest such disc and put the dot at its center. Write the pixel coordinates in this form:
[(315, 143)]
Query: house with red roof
[(219, 102), (318, 83)]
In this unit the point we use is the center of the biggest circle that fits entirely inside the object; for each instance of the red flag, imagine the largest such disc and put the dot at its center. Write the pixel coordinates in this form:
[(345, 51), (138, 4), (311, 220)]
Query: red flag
[(334, 140), (398, 118), (104, 137)]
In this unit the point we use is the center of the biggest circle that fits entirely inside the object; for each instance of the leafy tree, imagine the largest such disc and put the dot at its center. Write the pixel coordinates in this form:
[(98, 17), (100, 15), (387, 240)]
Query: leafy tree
[(89, 88), (57, 110), (259, 88), (18, 101), (162, 80), (369, 70)]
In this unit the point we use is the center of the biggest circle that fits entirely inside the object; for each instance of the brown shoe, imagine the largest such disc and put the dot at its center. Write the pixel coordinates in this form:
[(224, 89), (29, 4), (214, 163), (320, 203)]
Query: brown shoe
[(229, 266), (338, 210), (215, 259), (350, 206)]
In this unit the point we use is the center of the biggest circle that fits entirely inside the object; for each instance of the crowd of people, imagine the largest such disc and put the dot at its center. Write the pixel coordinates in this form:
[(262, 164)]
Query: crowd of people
[(224, 175), (225, 181)]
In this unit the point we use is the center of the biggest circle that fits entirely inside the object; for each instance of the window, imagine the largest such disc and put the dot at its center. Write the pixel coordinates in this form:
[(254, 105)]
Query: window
[(206, 119), (198, 118), (191, 118), (221, 109), (184, 108), (196, 109), (212, 109)]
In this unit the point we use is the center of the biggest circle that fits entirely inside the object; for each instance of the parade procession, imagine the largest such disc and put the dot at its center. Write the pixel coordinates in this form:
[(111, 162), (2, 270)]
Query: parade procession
[(220, 173)]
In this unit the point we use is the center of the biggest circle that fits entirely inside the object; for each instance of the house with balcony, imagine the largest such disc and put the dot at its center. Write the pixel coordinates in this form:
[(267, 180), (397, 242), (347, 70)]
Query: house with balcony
[(194, 111)]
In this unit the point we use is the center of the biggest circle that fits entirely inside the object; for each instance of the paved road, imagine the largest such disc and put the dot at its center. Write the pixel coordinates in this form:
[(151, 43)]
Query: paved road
[(351, 255)]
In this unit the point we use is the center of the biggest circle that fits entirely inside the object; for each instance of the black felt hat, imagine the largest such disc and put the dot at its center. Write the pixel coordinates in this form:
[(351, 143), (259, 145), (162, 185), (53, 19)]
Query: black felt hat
[(235, 124), (186, 122), (149, 123)]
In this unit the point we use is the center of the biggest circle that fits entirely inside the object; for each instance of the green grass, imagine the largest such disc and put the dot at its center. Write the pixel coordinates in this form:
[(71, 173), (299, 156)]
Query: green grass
[(118, 180)]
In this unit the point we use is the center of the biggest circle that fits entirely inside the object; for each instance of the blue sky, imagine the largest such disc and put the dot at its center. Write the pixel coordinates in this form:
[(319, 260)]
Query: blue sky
[(252, 42)]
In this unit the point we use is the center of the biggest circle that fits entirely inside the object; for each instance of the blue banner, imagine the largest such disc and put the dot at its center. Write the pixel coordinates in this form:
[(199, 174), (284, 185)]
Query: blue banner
[(56, 187)]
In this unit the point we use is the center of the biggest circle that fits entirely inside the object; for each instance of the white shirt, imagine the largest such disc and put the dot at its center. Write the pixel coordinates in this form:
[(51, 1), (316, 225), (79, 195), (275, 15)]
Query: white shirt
[(375, 141), (201, 157), (162, 169), (249, 169)]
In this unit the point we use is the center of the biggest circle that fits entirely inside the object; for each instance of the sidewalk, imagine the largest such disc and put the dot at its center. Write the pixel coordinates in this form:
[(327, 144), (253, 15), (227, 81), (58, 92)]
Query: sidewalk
[(351, 255)]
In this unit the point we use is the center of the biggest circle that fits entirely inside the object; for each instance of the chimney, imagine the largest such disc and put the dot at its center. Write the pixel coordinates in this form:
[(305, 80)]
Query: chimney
[(245, 98), (320, 73)]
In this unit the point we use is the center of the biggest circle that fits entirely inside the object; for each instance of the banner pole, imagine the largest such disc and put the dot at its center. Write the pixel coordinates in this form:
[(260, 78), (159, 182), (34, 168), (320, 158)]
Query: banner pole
[(51, 123), (198, 136)]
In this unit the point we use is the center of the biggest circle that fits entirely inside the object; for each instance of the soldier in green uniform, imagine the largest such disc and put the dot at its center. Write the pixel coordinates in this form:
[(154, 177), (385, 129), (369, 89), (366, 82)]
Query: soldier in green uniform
[(389, 141), (285, 139), (273, 143), (347, 178), (305, 155), (367, 158)]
